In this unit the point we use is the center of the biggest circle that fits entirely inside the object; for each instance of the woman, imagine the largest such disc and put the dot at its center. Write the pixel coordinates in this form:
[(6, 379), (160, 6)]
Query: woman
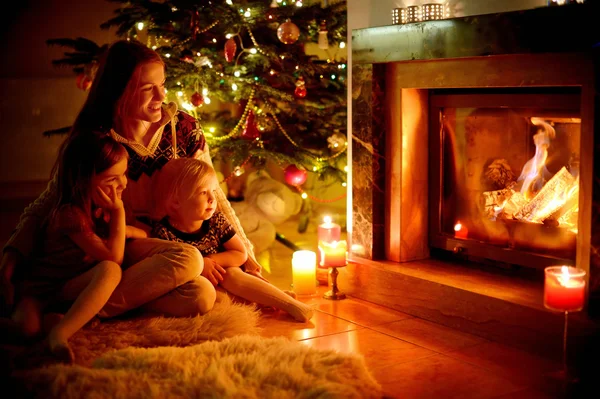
[(126, 100)]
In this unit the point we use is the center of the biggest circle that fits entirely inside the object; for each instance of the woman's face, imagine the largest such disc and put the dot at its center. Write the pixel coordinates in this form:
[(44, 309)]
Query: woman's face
[(145, 100), (115, 176)]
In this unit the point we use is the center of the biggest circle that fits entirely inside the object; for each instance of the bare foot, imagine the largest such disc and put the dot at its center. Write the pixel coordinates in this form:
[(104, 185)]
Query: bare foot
[(63, 353)]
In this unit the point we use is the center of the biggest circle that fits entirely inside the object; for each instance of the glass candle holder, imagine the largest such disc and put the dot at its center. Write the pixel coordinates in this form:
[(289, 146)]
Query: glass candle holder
[(564, 288)]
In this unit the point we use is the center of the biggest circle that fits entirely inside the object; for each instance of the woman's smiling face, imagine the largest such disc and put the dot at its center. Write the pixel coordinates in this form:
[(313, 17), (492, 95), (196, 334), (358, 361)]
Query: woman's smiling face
[(144, 102)]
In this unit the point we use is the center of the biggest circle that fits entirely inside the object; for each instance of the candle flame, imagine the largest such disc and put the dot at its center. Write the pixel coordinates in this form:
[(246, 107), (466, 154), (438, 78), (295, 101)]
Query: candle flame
[(565, 276), (458, 226), (327, 219)]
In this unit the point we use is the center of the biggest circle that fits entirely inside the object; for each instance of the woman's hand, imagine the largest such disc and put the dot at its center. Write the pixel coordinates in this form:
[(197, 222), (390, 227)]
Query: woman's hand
[(110, 202), (213, 271)]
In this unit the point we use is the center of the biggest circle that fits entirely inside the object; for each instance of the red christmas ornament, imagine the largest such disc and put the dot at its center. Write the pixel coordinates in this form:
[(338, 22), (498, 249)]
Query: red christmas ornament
[(83, 82), (197, 99), (300, 91), (230, 49), (250, 131), (288, 32), (294, 176)]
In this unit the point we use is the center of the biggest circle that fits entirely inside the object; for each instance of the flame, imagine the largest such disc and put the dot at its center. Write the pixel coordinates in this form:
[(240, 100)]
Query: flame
[(458, 226), (534, 173), (565, 276), (327, 219)]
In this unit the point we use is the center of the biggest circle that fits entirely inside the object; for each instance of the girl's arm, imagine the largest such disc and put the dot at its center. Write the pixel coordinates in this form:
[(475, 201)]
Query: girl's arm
[(112, 248), (234, 255)]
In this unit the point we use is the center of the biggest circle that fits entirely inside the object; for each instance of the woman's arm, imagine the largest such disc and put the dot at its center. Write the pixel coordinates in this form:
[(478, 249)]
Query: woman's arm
[(234, 255), (24, 235)]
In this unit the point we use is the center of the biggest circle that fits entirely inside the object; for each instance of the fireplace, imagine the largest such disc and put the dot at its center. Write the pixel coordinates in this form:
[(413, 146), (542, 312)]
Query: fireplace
[(504, 174), (473, 163)]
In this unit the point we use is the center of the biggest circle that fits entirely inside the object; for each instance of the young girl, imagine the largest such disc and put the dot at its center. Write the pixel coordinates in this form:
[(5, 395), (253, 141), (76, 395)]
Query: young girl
[(186, 193), (84, 240)]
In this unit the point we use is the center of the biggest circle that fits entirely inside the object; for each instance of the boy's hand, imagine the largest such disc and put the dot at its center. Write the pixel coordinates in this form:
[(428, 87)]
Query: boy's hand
[(213, 271)]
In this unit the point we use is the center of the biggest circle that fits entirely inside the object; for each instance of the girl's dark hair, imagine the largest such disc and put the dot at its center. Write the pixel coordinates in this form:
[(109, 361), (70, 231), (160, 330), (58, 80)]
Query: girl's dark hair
[(115, 70), (82, 158)]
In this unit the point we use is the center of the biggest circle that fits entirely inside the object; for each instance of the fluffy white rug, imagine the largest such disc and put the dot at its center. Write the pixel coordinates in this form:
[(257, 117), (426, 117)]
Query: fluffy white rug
[(240, 367)]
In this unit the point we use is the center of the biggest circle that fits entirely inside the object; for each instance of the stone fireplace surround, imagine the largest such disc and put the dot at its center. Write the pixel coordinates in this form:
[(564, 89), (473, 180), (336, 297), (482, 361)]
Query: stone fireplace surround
[(391, 263)]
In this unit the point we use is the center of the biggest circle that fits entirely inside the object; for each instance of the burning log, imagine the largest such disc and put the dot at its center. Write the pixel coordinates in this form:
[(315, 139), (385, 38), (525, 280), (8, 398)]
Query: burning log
[(549, 199)]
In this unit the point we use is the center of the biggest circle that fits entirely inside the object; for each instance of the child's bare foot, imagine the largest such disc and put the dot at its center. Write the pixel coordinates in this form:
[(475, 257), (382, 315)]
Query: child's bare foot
[(63, 353)]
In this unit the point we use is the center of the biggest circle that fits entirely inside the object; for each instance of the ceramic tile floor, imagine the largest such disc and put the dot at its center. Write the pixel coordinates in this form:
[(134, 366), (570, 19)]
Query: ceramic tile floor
[(409, 357)]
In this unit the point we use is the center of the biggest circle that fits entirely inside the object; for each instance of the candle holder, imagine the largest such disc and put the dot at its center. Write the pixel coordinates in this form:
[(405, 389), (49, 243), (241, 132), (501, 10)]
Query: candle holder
[(564, 291), (334, 293)]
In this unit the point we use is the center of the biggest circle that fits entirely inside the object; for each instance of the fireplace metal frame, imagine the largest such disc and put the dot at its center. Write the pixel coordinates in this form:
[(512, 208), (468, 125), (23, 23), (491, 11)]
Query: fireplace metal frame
[(515, 98)]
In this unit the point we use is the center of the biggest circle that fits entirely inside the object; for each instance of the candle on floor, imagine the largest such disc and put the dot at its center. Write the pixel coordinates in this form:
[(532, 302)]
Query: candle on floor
[(460, 230), (328, 231), (304, 264), (333, 254), (564, 288)]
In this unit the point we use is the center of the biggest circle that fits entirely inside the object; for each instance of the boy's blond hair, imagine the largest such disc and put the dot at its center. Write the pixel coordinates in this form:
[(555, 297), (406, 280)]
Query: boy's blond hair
[(178, 180)]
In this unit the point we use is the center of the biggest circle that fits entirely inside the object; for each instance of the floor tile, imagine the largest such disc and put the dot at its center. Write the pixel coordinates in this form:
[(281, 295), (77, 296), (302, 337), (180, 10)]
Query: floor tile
[(275, 324), (440, 376), (358, 311), (378, 349), (429, 335), (516, 365)]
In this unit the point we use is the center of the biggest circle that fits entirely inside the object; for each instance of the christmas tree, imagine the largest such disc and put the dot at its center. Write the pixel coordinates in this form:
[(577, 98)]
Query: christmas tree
[(267, 79)]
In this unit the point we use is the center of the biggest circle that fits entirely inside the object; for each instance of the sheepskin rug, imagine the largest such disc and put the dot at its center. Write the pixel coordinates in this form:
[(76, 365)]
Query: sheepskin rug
[(245, 366)]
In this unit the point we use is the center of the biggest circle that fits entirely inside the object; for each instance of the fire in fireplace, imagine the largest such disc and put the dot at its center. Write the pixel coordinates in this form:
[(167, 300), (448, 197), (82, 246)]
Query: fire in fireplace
[(505, 173)]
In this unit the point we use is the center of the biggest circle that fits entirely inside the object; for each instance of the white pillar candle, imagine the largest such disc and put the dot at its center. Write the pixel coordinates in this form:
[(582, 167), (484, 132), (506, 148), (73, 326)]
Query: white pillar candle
[(304, 264)]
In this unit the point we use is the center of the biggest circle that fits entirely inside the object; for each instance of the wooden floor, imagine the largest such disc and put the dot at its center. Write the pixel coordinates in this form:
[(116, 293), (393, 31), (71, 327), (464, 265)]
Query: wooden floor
[(410, 357)]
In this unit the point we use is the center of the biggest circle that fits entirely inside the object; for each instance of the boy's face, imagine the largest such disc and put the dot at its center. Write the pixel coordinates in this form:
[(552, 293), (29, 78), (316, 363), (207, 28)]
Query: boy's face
[(199, 202)]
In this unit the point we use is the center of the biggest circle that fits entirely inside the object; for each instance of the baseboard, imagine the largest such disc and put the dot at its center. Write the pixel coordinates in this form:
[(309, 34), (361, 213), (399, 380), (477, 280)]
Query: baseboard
[(492, 305)]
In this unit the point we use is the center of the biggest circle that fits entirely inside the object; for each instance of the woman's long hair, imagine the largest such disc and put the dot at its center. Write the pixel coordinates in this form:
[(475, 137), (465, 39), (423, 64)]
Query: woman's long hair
[(84, 157), (112, 81)]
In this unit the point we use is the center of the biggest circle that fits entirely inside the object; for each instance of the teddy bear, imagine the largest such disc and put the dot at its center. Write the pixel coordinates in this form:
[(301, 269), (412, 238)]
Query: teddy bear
[(267, 203)]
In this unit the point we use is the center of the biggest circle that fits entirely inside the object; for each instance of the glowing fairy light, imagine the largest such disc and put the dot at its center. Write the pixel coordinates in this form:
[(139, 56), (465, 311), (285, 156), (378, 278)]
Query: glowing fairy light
[(212, 129), (206, 100), (229, 2), (168, 55), (214, 40), (179, 94), (205, 92), (247, 13), (140, 25), (228, 36), (342, 44), (253, 50), (187, 106), (237, 74), (304, 195), (234, 87)]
